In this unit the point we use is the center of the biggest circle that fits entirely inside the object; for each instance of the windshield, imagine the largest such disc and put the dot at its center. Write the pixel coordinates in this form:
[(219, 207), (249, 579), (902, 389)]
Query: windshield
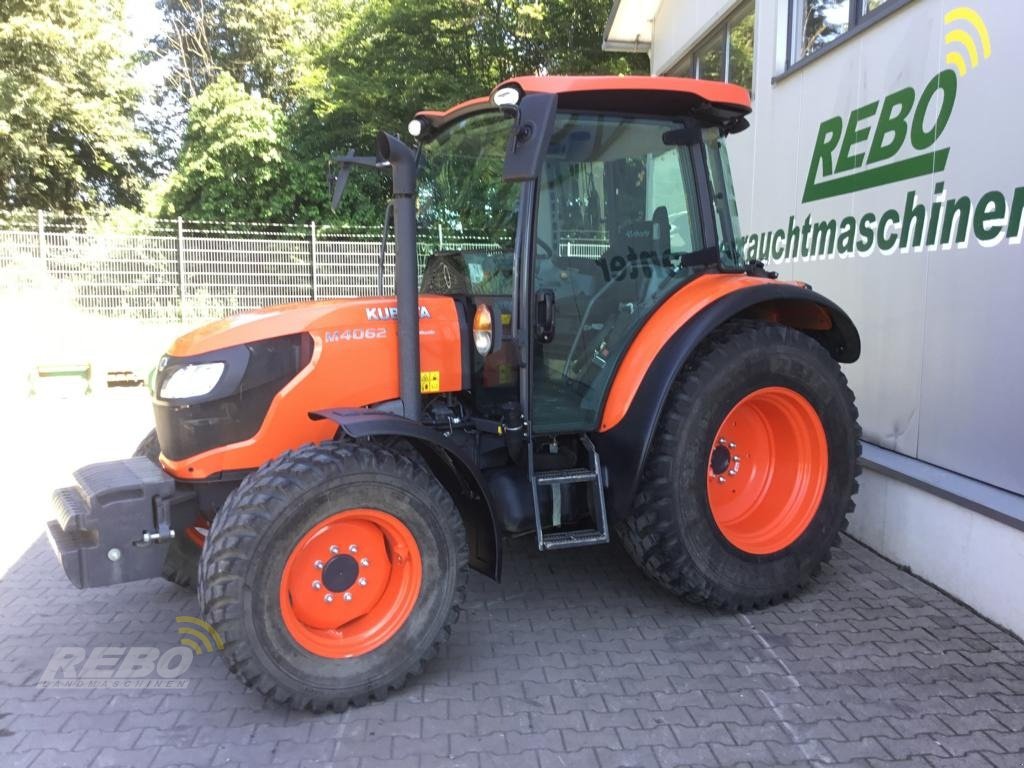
[(466, 211)]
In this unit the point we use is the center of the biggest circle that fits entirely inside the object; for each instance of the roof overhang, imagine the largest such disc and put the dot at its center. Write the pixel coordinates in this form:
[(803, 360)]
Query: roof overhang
[(714, 101), (630, 26)]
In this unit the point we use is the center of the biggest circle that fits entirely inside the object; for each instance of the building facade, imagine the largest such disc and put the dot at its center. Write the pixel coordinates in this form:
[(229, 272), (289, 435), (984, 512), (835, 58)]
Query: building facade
[(883, 165)]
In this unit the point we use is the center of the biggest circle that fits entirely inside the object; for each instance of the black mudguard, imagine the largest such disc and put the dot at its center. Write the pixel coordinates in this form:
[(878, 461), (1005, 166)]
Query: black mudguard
[(456, 471)]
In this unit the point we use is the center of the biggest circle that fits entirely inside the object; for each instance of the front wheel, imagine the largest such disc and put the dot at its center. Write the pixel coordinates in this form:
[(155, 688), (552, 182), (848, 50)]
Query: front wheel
[(751, 472), (333, 573)]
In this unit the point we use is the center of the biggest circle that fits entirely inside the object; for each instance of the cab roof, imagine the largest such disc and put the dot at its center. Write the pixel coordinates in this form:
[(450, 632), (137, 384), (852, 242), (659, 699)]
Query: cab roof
[(631, 94)]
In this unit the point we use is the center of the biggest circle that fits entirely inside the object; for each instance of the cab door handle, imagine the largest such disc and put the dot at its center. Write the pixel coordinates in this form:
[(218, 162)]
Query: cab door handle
[(545, 315)]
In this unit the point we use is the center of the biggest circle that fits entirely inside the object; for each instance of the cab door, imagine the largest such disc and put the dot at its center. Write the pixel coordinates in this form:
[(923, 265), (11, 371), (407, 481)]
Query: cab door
[(617, 230)]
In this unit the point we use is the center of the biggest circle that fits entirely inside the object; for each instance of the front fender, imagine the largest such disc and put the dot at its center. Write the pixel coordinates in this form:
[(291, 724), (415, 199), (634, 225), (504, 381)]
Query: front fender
[(456, 471)]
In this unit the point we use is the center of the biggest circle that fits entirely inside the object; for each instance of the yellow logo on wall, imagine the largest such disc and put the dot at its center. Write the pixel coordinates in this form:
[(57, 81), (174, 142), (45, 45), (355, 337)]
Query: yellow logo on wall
[(964, 38)]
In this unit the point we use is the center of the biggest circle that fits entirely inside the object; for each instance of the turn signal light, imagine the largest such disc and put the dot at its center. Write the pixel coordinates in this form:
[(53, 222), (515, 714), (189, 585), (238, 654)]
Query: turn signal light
[(483, 329)]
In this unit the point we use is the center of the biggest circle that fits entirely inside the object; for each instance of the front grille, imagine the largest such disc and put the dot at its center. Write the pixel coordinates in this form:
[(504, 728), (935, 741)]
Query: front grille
[(189, 427)]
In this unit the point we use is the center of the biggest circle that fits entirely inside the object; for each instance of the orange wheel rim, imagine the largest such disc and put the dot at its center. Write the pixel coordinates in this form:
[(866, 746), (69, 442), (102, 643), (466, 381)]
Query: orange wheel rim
[(350, 583), (767, 470)]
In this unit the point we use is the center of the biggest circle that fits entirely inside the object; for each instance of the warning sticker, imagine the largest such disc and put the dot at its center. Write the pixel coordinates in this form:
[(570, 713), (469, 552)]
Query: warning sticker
[(430, 381)]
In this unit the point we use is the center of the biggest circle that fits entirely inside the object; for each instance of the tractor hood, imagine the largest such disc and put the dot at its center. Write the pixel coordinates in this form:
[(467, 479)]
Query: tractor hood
[(260, 324), (281, 364)]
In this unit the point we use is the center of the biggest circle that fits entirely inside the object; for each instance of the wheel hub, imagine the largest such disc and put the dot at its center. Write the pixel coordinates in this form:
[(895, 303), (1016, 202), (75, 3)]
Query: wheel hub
[(340, 573), (350, 583), (720, 459)]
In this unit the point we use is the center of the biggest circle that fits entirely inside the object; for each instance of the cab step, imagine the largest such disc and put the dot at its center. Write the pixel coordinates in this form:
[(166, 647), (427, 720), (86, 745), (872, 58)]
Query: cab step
[(592, 475), (567, 539), (560, 476)]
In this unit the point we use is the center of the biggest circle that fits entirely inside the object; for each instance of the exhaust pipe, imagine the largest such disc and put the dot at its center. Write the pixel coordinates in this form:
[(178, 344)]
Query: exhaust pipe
[(402, 159)]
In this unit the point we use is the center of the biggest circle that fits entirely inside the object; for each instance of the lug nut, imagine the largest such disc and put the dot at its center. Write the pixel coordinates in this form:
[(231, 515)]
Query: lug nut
[(364, 562), (319, 565), (721, 479), (353, 548), (732, 472), (722, 441), (347, 596), (731, 446), (334, 549), (317, 584), (362, 582), (735, 458), (328, 598)]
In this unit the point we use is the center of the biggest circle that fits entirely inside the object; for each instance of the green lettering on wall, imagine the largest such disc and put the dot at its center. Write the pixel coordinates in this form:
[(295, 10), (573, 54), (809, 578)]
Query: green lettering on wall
[(887, 241), (851, 169), (855, 134), (867, 232), (847, 233), (989, 215), (944, 83), (891, 131), (829, 133)]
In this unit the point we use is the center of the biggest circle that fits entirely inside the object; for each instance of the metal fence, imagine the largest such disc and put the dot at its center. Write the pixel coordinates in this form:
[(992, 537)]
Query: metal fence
[(173, 271)]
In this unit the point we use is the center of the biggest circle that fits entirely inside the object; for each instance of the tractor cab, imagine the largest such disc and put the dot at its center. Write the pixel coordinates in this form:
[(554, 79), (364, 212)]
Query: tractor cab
[(623, 196)]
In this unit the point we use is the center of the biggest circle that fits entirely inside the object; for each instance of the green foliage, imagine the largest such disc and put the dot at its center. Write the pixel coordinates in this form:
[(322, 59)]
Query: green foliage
[(235, 161), (257, 42), (68, 140), (376, 63), (264, 92)]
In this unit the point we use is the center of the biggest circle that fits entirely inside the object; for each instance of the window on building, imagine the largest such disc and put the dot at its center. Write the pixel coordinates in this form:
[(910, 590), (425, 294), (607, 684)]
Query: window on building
[(726, 53), (816, 23)]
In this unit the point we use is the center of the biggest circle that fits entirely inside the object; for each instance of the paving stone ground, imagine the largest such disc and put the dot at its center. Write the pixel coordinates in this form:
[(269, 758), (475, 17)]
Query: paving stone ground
[(573, 660)]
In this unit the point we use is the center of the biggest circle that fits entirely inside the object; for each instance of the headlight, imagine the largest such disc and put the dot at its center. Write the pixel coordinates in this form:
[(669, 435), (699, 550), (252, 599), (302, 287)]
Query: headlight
[(192, 381)]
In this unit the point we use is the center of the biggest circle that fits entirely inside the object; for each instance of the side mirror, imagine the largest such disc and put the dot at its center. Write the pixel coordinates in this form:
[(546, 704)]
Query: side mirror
[(528, 141)]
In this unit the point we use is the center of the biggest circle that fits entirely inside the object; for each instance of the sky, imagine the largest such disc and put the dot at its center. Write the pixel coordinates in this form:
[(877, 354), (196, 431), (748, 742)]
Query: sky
[(144, 20)]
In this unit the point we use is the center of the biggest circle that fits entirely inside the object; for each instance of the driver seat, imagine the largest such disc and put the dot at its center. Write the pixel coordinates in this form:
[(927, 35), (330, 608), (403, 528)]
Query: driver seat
[(445, 273)]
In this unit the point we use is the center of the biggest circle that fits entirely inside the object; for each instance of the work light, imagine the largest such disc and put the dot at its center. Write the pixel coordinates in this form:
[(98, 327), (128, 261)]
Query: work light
[(506, 97), (483, 329)]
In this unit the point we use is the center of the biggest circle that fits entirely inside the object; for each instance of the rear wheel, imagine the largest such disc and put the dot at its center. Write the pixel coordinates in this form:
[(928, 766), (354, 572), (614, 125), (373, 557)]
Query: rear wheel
[(751, 473), (181, 565), (333, 573)]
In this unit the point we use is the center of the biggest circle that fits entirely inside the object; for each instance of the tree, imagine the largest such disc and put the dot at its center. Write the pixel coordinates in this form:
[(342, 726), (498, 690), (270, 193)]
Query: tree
[(255, 41), (235, 161), (376, 62), (68, 140), (320, 76)]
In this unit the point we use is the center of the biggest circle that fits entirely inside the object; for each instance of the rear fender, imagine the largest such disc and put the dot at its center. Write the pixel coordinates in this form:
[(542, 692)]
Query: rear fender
[(629, 438), (457, 472)]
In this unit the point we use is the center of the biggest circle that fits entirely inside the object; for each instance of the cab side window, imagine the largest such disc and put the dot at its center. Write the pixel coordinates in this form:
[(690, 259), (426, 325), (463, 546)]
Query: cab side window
[(617, 229)]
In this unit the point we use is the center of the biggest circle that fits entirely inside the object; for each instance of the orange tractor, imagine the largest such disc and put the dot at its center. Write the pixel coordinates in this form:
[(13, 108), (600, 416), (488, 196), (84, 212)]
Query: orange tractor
[(599, 359)]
